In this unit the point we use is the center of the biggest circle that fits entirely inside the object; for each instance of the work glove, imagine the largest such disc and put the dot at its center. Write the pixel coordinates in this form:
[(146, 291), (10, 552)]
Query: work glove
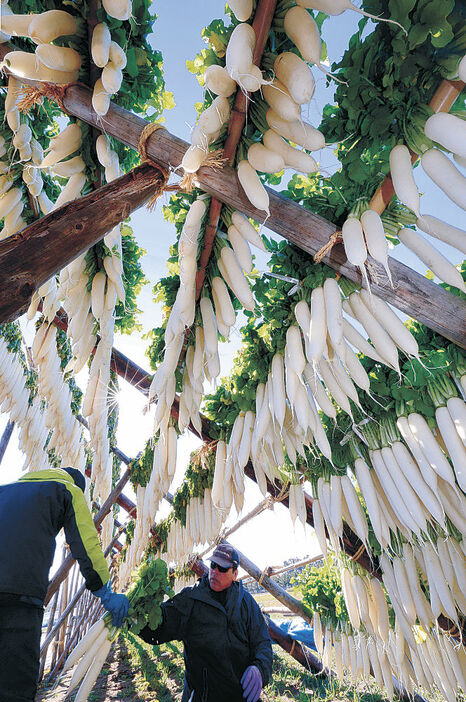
[(117, 605), (252, 683)]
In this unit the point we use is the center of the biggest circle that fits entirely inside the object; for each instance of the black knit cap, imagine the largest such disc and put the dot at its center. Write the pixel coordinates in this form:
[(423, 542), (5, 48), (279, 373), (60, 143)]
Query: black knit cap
[(78, 477)]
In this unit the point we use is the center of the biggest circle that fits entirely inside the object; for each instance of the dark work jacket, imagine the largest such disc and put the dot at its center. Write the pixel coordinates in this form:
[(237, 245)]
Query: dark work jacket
[(32, 512), (219, 642)]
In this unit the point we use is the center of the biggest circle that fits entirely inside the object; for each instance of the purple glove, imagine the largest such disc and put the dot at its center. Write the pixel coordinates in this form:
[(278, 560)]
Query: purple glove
[(252, 683)]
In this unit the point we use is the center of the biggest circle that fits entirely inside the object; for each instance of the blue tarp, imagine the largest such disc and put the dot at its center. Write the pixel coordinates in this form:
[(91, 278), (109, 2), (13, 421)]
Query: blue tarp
[(300, 630)]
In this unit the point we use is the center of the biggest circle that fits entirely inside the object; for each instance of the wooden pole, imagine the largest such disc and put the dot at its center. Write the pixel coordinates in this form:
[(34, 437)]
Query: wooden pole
[(6, 436), (39, 251), (274, 588), (412, 294)]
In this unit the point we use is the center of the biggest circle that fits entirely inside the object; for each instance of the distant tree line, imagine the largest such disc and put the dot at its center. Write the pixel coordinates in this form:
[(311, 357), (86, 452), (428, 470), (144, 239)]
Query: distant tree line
[(283, 579)]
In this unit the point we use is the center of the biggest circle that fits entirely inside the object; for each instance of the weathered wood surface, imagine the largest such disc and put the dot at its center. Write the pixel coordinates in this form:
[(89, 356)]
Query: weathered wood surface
[(37, 252), (413, 294)]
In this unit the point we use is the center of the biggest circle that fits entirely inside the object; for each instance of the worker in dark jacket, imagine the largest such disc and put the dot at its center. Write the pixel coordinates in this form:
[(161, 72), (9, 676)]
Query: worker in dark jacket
[(227, 649), (32, 512)]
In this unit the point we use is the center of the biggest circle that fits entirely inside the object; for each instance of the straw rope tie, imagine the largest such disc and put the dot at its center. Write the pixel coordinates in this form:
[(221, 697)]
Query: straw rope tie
[(265, 573), (163, 174), (292, 647), (335, 238), (34, 95)]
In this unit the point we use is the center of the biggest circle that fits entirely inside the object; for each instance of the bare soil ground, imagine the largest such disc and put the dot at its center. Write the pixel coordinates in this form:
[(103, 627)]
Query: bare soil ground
[(120, 679)]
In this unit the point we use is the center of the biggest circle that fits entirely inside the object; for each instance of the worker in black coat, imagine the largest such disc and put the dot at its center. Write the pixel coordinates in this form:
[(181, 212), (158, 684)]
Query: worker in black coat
[(227, 648), (32, 512)]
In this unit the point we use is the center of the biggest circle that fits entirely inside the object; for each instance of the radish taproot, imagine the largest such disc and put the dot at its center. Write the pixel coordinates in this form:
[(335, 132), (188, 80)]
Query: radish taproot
[(337, 7), (247, 229), (58, 58), (447, 130), (252, 186), (26, 65), (241, 9), (401, 172), (444, 173), (298, 132), (48, 26), (441, 230), (293, 158), (100, 44), (279, 99), (376, 240), (240, 51), (119, 9), (264, 160), (218, 81), (296, 75), (429, 255)]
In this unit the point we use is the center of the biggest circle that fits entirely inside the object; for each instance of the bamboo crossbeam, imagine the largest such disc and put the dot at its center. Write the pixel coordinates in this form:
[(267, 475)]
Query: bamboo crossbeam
[(33, 255), (412, 293)]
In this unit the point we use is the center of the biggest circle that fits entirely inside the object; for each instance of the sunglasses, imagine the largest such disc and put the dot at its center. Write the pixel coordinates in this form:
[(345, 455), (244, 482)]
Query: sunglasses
[(221, 569)]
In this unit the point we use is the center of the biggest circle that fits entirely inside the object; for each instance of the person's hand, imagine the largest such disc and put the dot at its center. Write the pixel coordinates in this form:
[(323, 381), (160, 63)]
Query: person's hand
[(252, 683), (117, 605)]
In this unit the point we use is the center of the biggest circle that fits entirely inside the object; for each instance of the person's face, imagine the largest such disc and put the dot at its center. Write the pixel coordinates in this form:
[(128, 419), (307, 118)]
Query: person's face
[(219, 581)]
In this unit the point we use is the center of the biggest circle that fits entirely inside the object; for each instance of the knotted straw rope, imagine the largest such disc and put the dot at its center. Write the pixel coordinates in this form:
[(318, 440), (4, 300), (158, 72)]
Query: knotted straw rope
[(336, 238), (163, 173)]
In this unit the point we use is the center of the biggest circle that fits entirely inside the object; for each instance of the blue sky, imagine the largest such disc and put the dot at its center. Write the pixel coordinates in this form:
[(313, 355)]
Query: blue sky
[(177, 34)]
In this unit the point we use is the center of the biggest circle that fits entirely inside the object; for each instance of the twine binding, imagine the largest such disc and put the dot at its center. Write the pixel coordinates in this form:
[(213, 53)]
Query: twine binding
[(336, 238), (358, 553), (265, 573), (284, 492), (292, 647)]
